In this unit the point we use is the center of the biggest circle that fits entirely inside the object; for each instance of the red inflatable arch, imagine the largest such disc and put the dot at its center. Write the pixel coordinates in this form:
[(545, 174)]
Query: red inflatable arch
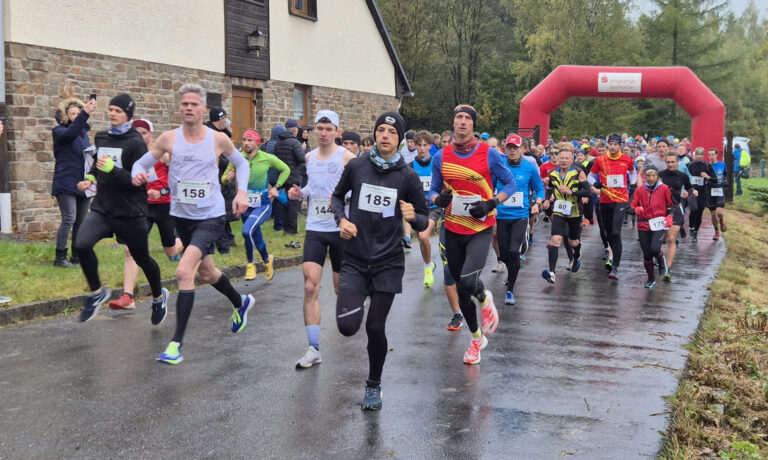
[(678, 83)]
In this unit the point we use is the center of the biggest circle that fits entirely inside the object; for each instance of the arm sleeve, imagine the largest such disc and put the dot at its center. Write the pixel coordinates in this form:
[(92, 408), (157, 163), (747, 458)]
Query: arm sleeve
[(416, 198), (538, 185), (282, 168), (436, 186), (242, 169), (583, 190), (337, 198), (499, 170), (632, 175), (69, 133), (141, 165), (592, 178)]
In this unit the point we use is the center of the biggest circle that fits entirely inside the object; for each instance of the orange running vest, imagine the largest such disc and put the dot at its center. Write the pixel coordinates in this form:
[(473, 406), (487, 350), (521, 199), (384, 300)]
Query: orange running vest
[(467, 176)]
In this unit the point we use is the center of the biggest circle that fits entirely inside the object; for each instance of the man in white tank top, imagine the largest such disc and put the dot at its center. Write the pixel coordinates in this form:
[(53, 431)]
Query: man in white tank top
[(324, 167), (198, 207)]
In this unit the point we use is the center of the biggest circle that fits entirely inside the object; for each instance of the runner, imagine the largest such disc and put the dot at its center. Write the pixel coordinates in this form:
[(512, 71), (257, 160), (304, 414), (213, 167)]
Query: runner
[(158, 207), (513, 214), (324, 167), (602, 149), (260, 196), (198, 208), (461, 183), (614, 170), (716, 194), (702, 178), (566, 185), (119, 208), (422, 164), (653, 206), (680, 187), (384, 192)]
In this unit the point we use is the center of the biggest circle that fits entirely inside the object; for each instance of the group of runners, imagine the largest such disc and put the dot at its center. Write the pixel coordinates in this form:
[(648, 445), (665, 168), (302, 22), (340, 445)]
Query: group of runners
[(359, 206)]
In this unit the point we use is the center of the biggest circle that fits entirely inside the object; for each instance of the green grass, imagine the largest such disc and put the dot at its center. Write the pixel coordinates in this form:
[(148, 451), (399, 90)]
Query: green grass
[(747, 202), (28, 273)]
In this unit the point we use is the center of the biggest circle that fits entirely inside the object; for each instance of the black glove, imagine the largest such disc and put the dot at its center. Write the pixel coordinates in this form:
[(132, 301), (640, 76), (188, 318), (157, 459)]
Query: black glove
[(598, 185), (444, 199), (480, 209)]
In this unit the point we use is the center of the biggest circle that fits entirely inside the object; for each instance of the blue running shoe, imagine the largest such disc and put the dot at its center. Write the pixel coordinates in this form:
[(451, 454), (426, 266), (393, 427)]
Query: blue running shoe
[(509, 299), (522, 256), (650, 283), (160, 308), (372, 398), (240, 317), (172, 354), (175, 258), (549, 276), (93, 302), (576, 265)]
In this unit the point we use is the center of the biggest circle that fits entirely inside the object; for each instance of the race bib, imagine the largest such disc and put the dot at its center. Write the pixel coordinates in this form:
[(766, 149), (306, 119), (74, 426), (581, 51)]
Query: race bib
[(197, 193), (657, 223), (90, 191), (615, 180), (461, 203), (115, 153), (381, 200), (697, 180), (563, 207), (254, 198), (716, 191), (321, 209), (426, 182), (514, 201)]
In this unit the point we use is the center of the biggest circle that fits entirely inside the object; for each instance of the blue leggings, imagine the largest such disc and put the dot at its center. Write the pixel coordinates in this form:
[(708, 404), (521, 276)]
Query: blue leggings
[(252, 220)]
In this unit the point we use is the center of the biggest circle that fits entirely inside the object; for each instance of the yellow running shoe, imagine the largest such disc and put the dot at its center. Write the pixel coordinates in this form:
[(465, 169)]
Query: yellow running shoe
[(269, 271), (250, 272), (429, 276)]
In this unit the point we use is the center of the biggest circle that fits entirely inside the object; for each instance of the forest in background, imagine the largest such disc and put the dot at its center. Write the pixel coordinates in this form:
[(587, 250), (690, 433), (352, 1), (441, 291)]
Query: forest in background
[(491, 53)]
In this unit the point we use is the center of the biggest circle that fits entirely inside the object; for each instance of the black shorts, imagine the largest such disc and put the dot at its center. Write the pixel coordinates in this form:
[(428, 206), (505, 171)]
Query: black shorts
[(380, 276), (127, 229), (714, 202), (678, 215), (159, 214), (566, 226), (201, 234), (436, 213), (318, 245)]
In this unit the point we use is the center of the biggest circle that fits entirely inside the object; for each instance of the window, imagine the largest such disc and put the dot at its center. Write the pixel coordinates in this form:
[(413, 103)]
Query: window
[(300, 108), (303, 8), (213, 99)]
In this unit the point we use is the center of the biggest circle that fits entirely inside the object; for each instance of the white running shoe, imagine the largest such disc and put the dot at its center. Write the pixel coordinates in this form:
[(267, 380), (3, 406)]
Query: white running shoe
[(499, 267), (312, 356)]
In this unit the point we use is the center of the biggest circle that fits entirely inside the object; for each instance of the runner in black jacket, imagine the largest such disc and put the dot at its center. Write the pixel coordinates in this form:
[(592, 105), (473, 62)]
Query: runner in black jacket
[(119, 208), (384, 192)]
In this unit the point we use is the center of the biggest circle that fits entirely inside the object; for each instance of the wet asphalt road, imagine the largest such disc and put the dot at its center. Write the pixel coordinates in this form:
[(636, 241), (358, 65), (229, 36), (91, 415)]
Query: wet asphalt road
[(575, 369)]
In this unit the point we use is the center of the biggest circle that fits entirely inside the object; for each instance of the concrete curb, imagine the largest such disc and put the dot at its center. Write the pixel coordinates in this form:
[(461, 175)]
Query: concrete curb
[(60, 305)]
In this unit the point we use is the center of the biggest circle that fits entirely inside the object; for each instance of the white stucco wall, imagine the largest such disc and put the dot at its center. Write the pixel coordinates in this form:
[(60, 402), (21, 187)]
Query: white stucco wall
[(342, 49), (186, 33)]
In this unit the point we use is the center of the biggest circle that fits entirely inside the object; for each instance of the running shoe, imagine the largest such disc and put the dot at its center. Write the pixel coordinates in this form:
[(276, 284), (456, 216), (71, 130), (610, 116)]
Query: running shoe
[(456, 322), (663, 266), (522, 256), (240, 316), (124, 302), (269, 271), (175, 258), (172, 354), (717, 236), (509, 299), (407, 241), (530, 240), (614, 275), (499, 267), (650, 282), (694, 236), (429, 276), (668, 275), (472, 355), (372, 398), (160, 308), (576, 265), (549, 276), (585, 224), (312, 356), (250, 272), (609, 265), (723, 227), (490, 320), (93, 302)]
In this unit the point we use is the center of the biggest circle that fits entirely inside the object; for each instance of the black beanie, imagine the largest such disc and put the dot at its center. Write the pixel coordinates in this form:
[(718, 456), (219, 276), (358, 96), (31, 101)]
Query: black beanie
[(217, 113), (125, 103), (614, 138), (392, 119), (350, 136)]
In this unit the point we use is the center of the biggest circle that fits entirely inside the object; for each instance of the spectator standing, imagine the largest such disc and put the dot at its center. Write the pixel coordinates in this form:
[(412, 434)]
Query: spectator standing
[(218, 121), (288, 149)]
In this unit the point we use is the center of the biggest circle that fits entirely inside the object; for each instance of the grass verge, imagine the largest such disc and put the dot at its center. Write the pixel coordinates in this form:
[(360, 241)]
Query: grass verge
[(28, 274), (720, 409)]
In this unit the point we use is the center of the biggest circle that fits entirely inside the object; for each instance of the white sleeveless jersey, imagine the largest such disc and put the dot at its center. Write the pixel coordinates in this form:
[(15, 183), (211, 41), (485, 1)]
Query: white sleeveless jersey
[(193, 177), (322, 177)]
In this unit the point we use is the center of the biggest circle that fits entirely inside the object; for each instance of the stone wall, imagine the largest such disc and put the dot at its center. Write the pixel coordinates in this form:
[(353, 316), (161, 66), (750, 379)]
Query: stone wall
[(37, 78)]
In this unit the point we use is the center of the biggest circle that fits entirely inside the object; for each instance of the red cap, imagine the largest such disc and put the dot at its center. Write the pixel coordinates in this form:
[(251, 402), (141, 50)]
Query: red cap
[(252, 134), (143, 123), (565, 138), (514, 139)]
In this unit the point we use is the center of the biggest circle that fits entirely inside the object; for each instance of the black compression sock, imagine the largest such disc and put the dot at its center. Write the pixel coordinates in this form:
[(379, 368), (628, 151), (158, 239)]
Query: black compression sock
[(184, 302), (577, 252), (552, 258), (225, 287)]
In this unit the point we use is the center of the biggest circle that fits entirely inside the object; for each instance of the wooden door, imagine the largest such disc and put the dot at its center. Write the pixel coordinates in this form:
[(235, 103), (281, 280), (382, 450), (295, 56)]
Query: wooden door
[(243, 113)]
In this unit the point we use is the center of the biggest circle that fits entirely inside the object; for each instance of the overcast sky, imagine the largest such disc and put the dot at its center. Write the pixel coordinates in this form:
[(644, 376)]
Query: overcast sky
[(737, 6)]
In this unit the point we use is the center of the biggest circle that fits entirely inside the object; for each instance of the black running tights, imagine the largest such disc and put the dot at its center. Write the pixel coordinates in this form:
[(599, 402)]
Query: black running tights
[(466, 256)]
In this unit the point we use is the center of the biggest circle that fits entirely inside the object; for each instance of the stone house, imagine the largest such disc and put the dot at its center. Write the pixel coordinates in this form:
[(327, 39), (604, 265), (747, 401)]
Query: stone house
[(318, 55)]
